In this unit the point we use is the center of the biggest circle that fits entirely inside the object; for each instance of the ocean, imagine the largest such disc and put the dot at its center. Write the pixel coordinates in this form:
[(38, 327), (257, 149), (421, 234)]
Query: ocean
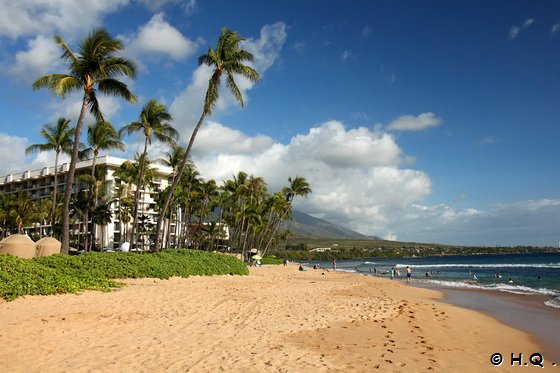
[(530, 274)]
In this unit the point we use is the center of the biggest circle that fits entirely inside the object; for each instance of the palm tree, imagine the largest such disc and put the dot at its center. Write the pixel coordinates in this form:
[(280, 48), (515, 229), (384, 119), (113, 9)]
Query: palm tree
[(94, 68), (101, 136), (6, 201), (298, 187), (57, 137), (102, 216), (22, 210), (228, 58), (154, 122), (173, 158)]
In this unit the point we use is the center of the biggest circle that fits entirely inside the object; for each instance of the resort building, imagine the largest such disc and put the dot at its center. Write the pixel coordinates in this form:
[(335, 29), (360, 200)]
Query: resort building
[(39, 184)]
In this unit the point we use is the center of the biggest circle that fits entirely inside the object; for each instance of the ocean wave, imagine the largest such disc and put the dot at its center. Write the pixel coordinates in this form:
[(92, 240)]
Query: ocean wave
[(464, 265), (553, 303), (507, 288)]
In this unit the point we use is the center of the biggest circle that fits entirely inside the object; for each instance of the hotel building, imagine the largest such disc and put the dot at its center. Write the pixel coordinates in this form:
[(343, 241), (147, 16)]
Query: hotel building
[(39, 184)]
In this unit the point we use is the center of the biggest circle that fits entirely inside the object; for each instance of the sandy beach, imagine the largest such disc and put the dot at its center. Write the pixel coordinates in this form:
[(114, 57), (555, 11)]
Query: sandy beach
[(277, 319)]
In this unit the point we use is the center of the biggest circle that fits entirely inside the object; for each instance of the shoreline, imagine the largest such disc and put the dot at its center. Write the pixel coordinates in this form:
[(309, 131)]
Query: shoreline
[(511, 309), (276, 319)]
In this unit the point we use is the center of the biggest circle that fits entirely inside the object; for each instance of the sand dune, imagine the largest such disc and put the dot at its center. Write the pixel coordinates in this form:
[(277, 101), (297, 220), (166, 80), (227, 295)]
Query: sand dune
[(277, 319)]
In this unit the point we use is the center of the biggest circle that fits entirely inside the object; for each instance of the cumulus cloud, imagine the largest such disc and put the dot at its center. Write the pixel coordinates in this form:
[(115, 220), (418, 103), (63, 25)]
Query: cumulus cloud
[(414, 123), (530, 222), (187, 106), (12, 153), (515, 30), (41, 58), (354, 173), (70, 107), (159, 37), (155, 5), (30, 18), (215, 139)]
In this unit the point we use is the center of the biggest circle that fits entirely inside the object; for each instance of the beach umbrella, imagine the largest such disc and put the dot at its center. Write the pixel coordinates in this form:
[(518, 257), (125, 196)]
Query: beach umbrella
[(257, 257)]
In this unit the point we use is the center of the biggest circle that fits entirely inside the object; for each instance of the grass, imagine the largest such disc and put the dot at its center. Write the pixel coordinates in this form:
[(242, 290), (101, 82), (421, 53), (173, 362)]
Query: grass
[(98, 271)]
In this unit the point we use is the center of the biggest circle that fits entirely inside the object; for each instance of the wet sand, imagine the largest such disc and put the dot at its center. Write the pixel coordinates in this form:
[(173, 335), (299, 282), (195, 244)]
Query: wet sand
[(524, 312), (277, 319)]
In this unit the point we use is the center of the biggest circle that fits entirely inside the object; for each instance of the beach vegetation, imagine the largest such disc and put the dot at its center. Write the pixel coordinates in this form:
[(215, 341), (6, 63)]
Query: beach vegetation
[(101, 271), (154, 122), (228, 59), (58, 138), (94, 68)]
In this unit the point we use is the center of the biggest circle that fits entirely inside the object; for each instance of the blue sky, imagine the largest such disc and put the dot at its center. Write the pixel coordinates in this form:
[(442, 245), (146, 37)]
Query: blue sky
[(430, 121)]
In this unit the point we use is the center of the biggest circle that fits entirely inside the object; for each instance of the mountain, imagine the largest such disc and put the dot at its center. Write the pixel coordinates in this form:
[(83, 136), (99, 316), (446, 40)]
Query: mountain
[(306, 226)]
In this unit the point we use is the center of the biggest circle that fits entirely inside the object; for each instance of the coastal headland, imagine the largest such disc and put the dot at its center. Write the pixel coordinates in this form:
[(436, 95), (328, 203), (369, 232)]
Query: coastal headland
[(277, 319)]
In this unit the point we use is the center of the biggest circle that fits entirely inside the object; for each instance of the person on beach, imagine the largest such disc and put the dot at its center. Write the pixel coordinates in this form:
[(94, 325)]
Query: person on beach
[(392, 272), (397, 272), (334, 265), (285, 262), (408, 274)]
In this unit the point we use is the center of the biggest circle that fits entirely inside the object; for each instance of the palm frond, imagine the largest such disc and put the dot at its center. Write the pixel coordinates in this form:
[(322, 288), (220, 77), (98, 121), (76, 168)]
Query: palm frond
[(115, 87), (234, 89)]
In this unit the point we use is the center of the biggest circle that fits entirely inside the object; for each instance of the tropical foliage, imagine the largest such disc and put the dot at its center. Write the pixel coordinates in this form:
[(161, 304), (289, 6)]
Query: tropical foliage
[(153, 123), (58, 138), (95, 271), (239, 215), (94, 68), (227, 59)]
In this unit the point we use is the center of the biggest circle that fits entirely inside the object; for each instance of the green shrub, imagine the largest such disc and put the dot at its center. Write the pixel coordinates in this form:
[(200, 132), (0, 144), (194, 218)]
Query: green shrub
[(97, 271), (275, 261)]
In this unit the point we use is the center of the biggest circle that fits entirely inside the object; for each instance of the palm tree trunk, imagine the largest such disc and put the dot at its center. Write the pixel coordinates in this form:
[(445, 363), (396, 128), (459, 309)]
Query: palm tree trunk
[(176, 181), (53, 214), (93, 197), (137, 194), (70, 179), (275, 229)]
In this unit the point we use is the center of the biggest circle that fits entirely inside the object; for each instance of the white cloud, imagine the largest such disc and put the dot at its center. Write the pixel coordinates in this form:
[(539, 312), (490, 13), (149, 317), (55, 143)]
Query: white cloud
[(354, 173), (155, 5), (345, 55), (187, 106), (515, 30), (532, 222), (42, 58), (486, 140), (555, 29), (159, 37), (367, 31), (528, 22), (215, 139), (12, 153), (70, 107), (414, 123), (30, 18)]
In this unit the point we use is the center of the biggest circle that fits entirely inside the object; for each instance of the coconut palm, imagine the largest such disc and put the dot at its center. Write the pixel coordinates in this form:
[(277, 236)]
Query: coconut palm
[(22, 210), (94, 68), (101, 136), (173, 158), (102, 216), (227, 59), (58, 137), (299, 187), (154, 122)]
